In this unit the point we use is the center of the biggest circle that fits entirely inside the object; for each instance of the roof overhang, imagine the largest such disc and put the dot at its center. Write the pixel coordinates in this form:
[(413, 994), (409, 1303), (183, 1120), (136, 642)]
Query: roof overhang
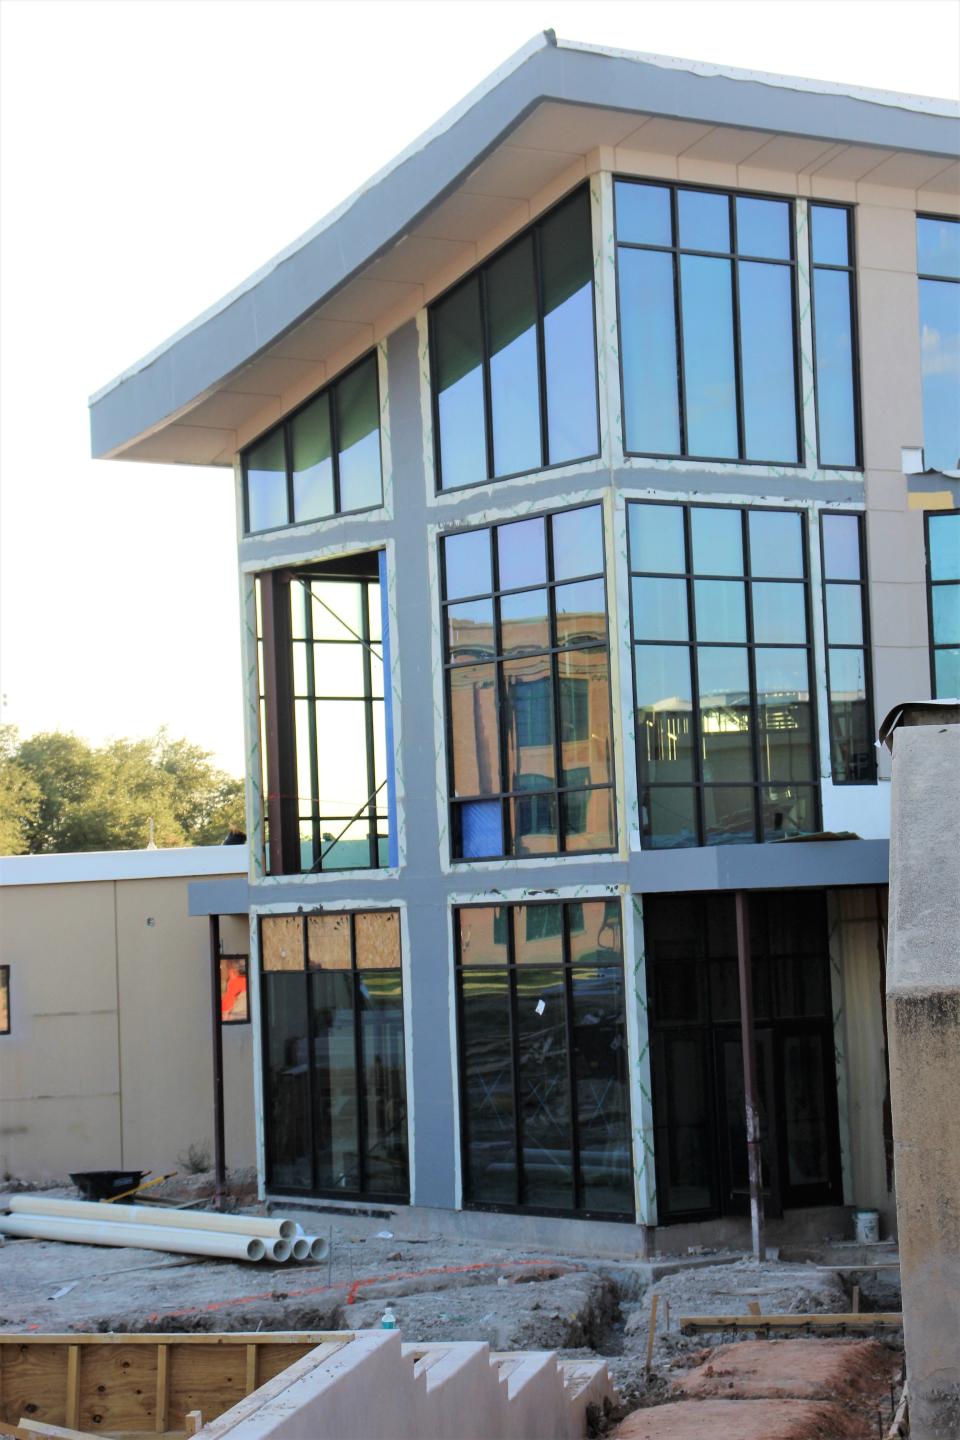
[(545, 119)]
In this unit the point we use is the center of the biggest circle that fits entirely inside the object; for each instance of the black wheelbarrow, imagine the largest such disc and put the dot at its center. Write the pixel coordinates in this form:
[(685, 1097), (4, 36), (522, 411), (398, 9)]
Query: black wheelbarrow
[(105, 1184)]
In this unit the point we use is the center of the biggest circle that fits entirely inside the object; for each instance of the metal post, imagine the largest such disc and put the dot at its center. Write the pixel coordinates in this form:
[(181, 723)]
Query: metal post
[(745, 973), (219, 1163)]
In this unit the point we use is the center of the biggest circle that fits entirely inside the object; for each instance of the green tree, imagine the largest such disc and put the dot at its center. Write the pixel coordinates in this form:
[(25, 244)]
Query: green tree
[(19, 797)]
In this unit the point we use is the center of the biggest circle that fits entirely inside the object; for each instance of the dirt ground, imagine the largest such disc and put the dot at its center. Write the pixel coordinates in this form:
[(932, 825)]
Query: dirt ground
[(439, 1289)]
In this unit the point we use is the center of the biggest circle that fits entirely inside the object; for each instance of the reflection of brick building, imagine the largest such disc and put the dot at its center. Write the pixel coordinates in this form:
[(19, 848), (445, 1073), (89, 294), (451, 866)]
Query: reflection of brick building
[(561, 450)]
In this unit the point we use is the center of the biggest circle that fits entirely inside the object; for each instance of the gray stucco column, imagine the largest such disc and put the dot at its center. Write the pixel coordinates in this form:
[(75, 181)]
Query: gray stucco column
[(923, 1006)]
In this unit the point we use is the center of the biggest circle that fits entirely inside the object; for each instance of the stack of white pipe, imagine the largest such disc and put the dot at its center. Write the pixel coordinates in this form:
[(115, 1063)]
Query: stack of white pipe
[(150, 1227)]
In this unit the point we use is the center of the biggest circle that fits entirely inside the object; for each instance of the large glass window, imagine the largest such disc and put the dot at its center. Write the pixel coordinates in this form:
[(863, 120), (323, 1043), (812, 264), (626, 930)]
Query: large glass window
[(707, 324), (335, 1082), (529, 735), (544, 1095), (834, 335), (725, 721), (323, 460), (697, 1059), (938, 269), (323, 724), (852, 754), (514, 356), (943, 591)]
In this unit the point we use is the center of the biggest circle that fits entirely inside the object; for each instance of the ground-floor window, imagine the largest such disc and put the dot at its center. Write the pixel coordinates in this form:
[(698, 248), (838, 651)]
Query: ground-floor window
[(335, 1100), (698, 1099), (544, 1100)]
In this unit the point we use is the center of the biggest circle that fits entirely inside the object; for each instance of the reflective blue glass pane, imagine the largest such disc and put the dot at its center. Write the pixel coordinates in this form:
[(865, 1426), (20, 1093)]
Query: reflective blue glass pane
[(725, 726), (466, 560), (312, 459), (648, 348), (656, 538), (784, 715), (708, 357), (830, 239), (763, 227), (945, 603), (938, 247), (833, 364), (851, 734), (358, 436), (577, 543), (944, 539), (470, 630), (522, 556), (776, 543), (788, 810), (844, 615), (659, 609), (581, 613), (524, 621), (475, 749), (728, 817), (514, 366), (481, 829), (664, 706), (720, 610), (947, 674), (458, 367), (566, 277), (704, 220), (779, 613), (717, 541), (767, 362), (643, 213), (267, 483), (940, 371), (669, 817), (841, 547)]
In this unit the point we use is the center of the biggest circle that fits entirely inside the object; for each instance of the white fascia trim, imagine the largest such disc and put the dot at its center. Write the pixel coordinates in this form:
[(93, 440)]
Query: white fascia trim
[(185, 862)]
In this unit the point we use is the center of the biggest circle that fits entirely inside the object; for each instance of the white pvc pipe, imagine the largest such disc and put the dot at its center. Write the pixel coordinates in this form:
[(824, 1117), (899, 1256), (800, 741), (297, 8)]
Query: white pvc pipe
[(279, 1250), (154, 1215), (319, 1247), (139, 1237), (301, 1248)]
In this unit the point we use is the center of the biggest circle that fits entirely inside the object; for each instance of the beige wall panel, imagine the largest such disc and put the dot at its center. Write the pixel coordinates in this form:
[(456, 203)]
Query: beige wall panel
[(61, 1056), (900, 674), (886, 490), (890, 366), (59, 942), (48, 1139), (886, 238), (898, 615), (895, 547)]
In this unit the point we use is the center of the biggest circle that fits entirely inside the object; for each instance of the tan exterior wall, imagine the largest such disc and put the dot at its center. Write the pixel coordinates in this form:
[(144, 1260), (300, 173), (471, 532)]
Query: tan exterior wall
[(108, 1061)]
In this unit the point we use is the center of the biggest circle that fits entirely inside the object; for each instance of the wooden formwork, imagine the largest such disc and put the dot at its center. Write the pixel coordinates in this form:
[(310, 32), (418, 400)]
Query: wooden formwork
[(134, 1385)]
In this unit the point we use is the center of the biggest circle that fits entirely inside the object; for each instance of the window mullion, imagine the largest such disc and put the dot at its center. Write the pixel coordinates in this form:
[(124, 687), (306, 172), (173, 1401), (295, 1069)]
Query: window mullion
[(737, 348), (485, 360), (678, 321), (752, 679)]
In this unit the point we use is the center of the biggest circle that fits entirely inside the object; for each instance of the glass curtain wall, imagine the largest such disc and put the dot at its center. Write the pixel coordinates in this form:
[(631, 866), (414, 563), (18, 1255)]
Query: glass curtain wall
[(938, 270), (725, 721), (323, 460), (514, 356), (334, 1075), (943, 598), (544, 1099), (849, 684), (529, 736)]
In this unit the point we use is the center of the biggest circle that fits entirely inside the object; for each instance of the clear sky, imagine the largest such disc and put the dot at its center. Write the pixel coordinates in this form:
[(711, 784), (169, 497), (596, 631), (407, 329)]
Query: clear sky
[(154, 152)]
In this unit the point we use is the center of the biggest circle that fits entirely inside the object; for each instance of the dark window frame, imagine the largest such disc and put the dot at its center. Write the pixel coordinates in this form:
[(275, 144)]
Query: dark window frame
[(676, 250), (283, 426), (497, 660), (479, 271), (511, 966), (393, 1197), (747, 578), (853, 270), (5, 987), (277, 708), (932, 644), (867, 646), (241, 1019)]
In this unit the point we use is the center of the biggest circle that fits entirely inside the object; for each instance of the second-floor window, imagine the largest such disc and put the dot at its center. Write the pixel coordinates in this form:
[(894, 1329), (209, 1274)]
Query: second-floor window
[(528, 687), (938, 269), (322, 460), (707, 324), (725, 721), (943, 590), (852, 754), (514, 356)]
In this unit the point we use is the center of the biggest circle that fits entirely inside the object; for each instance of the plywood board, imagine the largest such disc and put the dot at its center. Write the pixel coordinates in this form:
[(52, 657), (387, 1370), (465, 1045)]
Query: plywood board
[(281, 942)]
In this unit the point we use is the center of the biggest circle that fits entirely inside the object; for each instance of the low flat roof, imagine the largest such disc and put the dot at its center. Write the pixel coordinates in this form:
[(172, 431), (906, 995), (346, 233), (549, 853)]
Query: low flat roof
[(185, 862), (235, 368)]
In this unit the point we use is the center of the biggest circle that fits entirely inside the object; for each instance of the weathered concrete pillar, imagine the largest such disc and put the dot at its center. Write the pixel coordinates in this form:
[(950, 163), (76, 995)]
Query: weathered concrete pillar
[(923, 1010)]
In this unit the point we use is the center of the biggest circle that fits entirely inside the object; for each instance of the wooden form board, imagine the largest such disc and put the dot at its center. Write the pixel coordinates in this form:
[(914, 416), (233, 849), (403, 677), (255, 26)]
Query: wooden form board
[(859, 1320), (140, 1384)]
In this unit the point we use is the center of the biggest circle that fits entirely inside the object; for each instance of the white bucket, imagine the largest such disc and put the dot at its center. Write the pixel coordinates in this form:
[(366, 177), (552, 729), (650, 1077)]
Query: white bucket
[(867, 1226)]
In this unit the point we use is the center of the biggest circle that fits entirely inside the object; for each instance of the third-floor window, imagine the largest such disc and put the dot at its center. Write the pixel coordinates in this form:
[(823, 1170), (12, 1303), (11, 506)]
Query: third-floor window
[(514, 356), (938, 269)]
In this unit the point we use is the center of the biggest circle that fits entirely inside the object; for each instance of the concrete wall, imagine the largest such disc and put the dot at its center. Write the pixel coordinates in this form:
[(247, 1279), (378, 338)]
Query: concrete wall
[(108, 1063)]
